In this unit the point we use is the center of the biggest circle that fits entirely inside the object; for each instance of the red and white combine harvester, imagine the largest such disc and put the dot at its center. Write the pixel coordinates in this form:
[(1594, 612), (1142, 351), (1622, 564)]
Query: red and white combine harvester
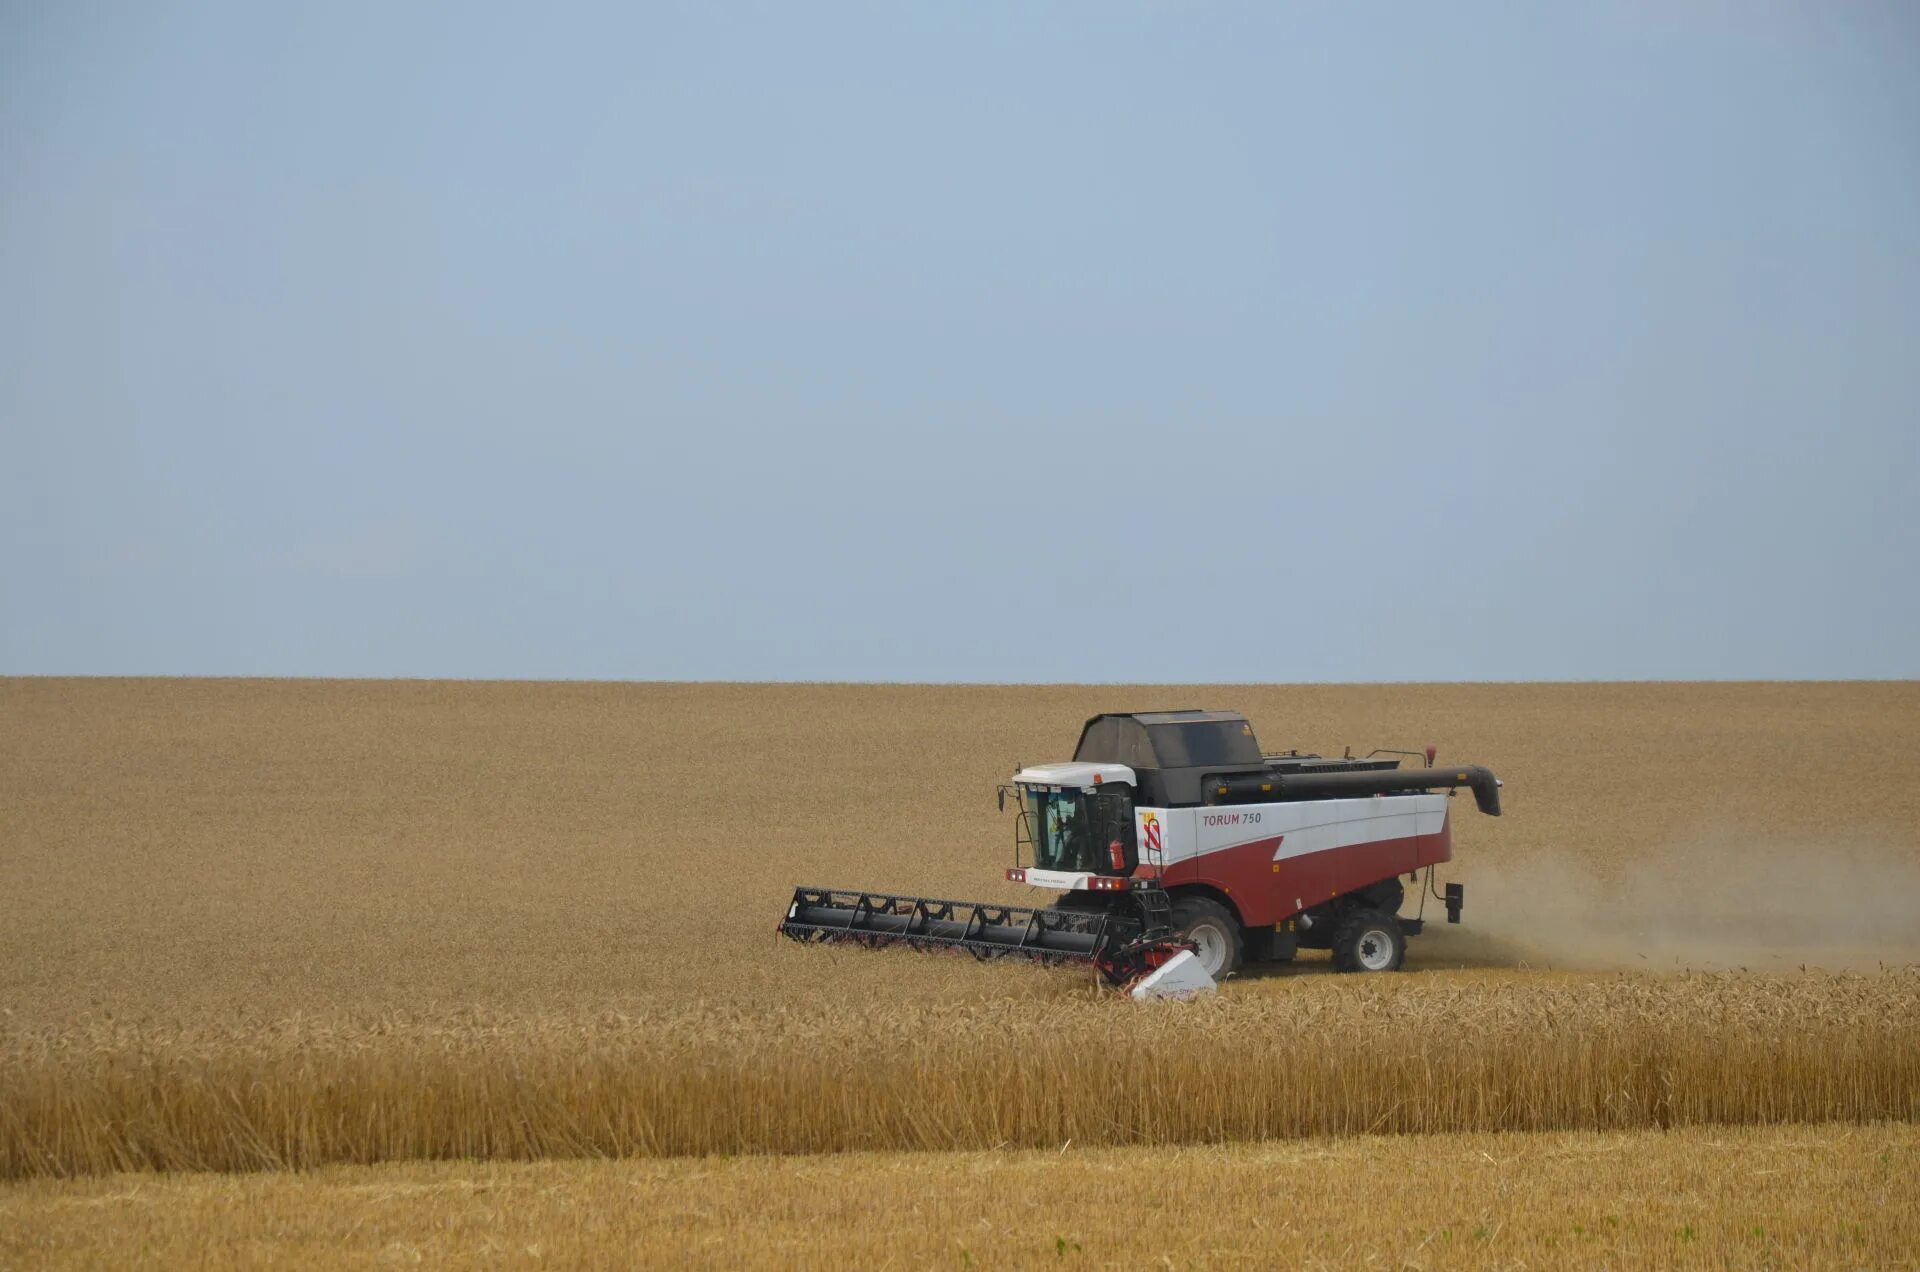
[(1170, 833)]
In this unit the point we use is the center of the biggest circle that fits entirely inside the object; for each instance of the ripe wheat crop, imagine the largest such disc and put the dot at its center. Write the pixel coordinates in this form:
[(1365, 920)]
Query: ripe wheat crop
[(263, 924), (1332, 1058)]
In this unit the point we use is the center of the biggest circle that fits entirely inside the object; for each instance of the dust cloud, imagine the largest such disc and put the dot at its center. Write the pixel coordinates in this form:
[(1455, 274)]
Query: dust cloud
[(1721, 903)]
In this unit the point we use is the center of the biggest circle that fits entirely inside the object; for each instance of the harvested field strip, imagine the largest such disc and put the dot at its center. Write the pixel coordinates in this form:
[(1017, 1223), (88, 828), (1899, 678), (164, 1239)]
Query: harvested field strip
[(1332, 1056), (1800, 1196)]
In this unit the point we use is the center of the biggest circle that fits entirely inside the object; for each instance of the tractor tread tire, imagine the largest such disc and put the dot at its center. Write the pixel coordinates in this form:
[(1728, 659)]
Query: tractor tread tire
[(1351, 931), (1190, 910)]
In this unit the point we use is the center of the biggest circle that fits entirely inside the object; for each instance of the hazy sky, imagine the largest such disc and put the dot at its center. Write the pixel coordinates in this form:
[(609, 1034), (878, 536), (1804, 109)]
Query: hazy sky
[(1046, 341)]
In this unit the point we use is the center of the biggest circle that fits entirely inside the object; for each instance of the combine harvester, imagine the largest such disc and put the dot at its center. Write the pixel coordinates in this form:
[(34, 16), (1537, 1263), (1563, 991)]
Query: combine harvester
[(1183, 852)]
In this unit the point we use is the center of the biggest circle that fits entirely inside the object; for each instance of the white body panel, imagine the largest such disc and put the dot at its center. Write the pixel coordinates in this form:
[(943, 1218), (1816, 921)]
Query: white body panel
[(1302, 826), (1179, 977), (1073, 774), (1058, 878)]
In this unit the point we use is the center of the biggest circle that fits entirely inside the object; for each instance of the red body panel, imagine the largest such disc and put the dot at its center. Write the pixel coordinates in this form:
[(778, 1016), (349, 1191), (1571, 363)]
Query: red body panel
[(1266, 891)]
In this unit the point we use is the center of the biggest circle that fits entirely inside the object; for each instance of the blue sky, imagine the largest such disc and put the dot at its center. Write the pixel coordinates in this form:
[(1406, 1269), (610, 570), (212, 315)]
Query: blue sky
[(1071, 341)]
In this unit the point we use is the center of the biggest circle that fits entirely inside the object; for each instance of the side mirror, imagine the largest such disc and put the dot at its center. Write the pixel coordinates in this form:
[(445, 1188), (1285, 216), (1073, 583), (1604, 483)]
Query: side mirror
[(1001, 797)]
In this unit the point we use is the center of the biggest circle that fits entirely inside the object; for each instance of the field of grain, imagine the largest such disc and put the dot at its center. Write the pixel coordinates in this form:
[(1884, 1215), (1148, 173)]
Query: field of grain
[(255, 924), (1708, 1197)]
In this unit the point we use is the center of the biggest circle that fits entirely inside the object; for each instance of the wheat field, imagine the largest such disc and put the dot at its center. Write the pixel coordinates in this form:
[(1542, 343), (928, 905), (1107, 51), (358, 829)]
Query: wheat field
[(1704, 1197), (255, 925)]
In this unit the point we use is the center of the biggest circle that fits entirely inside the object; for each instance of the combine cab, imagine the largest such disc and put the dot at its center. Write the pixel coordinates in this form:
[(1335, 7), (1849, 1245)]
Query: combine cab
[(1171, 831)]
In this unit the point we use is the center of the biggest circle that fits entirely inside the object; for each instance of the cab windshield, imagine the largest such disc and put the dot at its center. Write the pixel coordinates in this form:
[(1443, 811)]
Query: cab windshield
[(1075, 831)]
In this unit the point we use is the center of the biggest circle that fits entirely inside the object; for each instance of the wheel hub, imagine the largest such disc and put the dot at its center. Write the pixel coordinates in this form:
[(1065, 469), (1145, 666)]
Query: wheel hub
[(1210, 947), (1376, 950)]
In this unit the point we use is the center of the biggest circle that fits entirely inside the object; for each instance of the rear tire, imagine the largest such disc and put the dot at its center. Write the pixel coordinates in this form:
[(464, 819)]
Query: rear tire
[(1215, 932), (1369, 941)]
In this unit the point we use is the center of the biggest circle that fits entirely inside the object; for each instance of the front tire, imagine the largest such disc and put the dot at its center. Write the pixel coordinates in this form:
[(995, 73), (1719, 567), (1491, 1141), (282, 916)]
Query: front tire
[(1214, 933), (1369, 941)]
